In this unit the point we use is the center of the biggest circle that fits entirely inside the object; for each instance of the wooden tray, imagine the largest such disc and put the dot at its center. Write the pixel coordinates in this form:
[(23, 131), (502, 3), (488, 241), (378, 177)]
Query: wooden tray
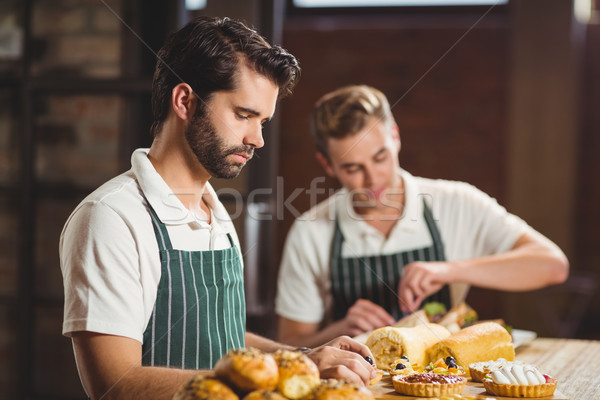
[(385, 390)]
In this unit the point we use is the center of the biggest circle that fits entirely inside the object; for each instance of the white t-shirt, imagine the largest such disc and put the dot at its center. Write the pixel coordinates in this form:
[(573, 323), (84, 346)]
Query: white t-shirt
[(471, 224), (109, 254)]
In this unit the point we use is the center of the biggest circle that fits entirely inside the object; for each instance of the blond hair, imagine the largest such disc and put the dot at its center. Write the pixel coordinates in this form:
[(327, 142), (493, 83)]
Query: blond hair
[(345, 112)]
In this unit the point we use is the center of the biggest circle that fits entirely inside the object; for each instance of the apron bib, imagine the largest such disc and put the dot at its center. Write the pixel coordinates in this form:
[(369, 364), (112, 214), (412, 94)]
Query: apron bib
[(200, 309), (376, 278)]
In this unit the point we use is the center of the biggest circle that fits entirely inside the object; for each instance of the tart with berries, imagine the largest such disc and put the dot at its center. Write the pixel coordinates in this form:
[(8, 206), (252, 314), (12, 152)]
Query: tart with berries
[(519, 380), (428, 385), (445, 366), (401, 366)]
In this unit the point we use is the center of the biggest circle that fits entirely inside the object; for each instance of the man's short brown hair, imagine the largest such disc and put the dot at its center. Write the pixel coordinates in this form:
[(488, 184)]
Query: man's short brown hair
[(345, 112)]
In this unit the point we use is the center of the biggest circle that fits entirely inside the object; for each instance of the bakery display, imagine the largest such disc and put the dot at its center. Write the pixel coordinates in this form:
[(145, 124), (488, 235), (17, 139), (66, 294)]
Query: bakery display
[(519, 380), (428, 385), (479, 342), (202, 388), (333, 389), (298, 374), (248, 369), (390, 343)]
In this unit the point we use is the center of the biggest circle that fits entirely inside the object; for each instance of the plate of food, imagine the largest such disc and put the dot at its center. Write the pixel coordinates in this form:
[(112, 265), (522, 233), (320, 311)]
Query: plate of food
[(522, 337)]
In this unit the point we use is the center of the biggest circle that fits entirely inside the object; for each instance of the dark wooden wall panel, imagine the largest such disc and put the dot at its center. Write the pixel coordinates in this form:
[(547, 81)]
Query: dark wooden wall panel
[(447, 87), (587, 226)]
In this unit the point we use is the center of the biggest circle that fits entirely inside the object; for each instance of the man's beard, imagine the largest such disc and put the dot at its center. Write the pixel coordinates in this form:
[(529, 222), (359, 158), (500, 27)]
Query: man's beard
[(209, 148)]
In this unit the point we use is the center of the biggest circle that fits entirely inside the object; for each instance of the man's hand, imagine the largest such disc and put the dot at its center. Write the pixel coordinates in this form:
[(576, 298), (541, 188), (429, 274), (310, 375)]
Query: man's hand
[(364, 316), (419, 280), (344, 358)]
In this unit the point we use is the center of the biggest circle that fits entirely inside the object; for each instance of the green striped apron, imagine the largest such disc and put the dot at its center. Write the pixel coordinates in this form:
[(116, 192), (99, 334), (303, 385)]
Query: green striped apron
[(200, 309), (376, 278)]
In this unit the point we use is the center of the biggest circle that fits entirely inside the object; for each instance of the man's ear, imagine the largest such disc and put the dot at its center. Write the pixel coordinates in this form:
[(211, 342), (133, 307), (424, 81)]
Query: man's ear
[(396, 137), (324, 162), (183, 101)]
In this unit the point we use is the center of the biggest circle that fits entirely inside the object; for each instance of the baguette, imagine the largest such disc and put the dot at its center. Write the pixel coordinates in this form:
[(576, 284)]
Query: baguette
[(480, 342), (389, 344)]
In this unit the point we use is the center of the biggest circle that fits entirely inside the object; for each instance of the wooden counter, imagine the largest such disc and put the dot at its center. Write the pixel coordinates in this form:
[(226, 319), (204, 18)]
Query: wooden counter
[(573, 362)]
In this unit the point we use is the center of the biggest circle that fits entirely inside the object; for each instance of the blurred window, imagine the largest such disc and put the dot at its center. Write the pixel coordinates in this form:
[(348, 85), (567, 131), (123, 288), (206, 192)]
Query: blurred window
[(393, 3)]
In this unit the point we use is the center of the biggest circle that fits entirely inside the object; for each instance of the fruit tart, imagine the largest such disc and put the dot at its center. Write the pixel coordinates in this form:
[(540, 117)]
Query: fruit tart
[(479, 370), (429, 385), (445, 366), (519, 380), (401, 366)]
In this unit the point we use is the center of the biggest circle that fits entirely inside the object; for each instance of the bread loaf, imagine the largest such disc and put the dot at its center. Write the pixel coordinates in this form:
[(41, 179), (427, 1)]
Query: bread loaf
[(389, 343), (264, 394), (480, 342), (298, 374), (201, 388), (333, 389), (248, 369)]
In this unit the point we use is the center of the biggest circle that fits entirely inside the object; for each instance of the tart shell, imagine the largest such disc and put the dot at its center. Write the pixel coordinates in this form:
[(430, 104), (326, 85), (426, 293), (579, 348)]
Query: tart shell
[(542, 390), (428, 389), (477, 375)]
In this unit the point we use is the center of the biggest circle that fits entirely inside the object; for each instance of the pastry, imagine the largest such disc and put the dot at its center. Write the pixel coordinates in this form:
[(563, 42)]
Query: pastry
[(479, 342), (401, 366), (414, 319), (374, 381), (264, 394), (519, 380), (298, 374), (446, 366), (480, 369), (201, 388), (248, 369), (428, 385), (389, 344), (333, 389)]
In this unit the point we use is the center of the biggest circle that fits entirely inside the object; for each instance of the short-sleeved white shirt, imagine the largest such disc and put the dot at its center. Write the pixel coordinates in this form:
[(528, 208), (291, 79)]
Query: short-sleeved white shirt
[(109, 254), (471, 224)]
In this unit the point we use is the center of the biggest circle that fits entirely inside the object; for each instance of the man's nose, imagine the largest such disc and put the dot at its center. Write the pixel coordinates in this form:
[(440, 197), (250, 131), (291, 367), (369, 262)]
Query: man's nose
[(254, 137)]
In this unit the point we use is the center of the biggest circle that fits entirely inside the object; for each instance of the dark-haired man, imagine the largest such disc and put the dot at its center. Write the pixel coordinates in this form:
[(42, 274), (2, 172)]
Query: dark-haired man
[(151, 263)]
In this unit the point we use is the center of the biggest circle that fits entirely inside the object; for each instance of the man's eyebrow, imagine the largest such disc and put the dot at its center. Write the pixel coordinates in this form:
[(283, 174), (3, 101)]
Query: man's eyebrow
[(251, 111), (379, 152), (353, 164), (248, 110), (348, 165)]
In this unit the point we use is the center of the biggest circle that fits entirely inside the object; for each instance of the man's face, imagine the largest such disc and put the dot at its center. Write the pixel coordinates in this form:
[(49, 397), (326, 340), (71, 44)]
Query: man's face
[(224, 132), (366, 163)]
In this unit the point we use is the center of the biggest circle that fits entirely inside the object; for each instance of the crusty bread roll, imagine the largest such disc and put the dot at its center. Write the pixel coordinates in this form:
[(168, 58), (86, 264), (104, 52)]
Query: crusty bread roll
[(201, 388), (389, 344), (480, 342), (333, 389), (248, 369), (298, 374), (264, 394)]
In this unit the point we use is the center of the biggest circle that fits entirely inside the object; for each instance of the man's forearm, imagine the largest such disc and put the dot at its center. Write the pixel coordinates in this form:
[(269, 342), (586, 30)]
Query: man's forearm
[(314, 339), (525, 268), (264, 344), (148, 383)]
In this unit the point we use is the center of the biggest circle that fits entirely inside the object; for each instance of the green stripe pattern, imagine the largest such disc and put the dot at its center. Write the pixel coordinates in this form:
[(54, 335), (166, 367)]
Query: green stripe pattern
[(376, 278), (200, 309)]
